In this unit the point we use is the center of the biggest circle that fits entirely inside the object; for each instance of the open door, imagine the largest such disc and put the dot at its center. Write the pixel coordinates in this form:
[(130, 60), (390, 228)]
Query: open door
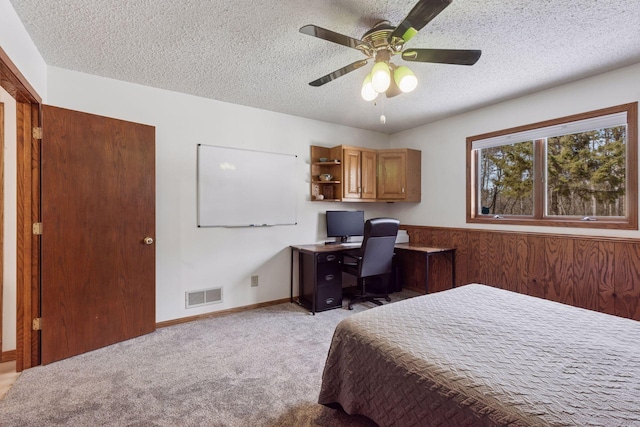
[(98, 231)]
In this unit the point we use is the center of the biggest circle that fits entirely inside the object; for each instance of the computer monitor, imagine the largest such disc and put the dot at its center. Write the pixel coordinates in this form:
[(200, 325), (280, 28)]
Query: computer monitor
[(344, 224)]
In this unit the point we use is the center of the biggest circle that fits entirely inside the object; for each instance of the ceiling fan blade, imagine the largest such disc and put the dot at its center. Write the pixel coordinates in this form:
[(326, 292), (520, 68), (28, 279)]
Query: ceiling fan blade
[(334, 37), (338, 73), (421, 14), (442, 56)]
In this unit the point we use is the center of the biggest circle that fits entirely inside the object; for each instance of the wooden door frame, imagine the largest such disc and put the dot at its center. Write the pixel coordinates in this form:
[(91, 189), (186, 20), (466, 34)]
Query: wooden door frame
[(28, 106), (1, 222)]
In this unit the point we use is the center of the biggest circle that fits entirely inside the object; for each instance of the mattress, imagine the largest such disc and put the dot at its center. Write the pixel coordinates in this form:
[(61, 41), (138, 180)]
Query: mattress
[(481, 356)]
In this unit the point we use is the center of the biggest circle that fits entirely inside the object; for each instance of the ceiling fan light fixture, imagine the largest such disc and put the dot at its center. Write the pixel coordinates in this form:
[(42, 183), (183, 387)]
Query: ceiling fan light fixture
[(405, 79), (380, 77), (368, 92)]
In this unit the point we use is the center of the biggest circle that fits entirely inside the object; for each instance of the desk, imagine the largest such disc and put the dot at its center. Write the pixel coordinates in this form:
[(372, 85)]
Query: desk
[(428, 252), (320, 272)]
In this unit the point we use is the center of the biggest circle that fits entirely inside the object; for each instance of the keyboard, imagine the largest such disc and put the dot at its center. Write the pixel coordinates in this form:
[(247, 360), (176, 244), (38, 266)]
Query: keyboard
[(351, 244)]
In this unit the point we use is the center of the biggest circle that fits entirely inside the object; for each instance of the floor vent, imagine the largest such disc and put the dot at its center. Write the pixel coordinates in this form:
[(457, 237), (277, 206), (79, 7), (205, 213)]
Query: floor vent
[(203, 297)]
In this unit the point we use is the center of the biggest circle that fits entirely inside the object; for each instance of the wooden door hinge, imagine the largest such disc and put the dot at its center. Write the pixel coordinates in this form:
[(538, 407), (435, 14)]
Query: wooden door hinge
[(37, 228), (37, 133), (36, 324)]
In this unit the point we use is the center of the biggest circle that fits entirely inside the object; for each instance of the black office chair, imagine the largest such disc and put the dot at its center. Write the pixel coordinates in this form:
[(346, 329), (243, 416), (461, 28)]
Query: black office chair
[(373, 259)]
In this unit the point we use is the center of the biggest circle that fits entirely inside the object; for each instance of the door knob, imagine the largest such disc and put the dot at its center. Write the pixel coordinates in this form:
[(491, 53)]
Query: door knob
[(148, 240)]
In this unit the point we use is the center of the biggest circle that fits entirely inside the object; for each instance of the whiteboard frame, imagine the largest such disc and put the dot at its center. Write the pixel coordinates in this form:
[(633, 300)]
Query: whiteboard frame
[(277, 178)]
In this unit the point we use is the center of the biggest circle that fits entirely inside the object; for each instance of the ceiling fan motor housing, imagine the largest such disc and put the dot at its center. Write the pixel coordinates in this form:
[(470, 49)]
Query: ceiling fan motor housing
[(378, 38)]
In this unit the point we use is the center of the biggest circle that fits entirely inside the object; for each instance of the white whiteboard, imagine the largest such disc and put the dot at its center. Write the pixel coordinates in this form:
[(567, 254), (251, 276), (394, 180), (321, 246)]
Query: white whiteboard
[(242, 188)]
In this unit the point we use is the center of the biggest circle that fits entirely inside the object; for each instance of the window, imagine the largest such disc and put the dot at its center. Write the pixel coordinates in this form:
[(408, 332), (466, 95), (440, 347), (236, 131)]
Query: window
[(577, 171)]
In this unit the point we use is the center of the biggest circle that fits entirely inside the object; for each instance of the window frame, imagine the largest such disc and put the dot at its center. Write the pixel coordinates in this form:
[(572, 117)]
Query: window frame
[(628, 222)]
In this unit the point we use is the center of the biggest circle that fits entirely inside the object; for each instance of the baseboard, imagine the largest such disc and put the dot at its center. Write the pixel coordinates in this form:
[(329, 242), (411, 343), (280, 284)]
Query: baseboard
[(8, 356), (219, 313)]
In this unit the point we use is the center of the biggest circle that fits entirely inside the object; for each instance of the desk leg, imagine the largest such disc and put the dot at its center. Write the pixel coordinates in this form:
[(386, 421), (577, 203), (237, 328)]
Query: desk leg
[(426, 274), (291, 278), (315, 284), (453, 269)]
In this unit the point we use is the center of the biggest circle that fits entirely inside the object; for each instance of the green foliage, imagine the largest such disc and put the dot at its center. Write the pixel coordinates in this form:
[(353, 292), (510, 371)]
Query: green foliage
[(586, 175), (507, 178)]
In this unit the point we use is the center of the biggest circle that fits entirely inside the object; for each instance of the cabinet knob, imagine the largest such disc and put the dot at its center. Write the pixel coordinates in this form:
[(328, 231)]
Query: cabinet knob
[(148, 241)]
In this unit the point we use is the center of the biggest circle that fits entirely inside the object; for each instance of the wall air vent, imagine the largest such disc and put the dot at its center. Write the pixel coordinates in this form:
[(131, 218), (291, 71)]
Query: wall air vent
[(202, 297)]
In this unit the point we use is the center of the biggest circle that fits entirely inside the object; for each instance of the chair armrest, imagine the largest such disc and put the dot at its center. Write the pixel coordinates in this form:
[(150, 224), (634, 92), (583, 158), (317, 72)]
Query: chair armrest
[(351, 258)]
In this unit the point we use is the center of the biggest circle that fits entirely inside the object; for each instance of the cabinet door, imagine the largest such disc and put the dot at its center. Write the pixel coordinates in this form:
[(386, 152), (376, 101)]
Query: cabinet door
[(351, 160), (368, 174), (392, 175)]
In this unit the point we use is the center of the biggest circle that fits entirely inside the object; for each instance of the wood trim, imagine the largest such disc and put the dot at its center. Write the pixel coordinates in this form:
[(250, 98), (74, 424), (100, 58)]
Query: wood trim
[(24, 243), (35, 240), (472, 199), (8, 356), (632, 164), (12, 80), (520, 233), (2, 207), (219, 313), (28, 196)]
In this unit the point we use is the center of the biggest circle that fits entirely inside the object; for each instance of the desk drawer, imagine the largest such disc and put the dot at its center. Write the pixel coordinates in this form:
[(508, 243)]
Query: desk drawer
[(329, 257), (326, 299), (329, 274)]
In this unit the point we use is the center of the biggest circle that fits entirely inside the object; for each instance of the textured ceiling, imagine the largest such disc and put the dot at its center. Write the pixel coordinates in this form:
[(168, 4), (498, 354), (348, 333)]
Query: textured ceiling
[(251, 53)]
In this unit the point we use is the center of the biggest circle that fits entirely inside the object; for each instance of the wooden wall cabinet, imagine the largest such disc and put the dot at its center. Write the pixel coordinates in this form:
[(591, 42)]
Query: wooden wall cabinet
[(330, 190), (359, 173), (399, 175)]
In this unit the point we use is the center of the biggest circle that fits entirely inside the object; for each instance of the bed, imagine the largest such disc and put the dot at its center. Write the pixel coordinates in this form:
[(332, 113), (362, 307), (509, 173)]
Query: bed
[(481, 356)]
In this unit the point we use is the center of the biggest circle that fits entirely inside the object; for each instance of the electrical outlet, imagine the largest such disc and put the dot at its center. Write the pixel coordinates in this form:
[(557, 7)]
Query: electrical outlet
[(254, 280)]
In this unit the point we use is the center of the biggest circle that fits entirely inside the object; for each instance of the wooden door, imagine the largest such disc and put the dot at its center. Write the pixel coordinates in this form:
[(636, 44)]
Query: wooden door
[(98, 206), (351, 160), (368, 174), (392, 175)]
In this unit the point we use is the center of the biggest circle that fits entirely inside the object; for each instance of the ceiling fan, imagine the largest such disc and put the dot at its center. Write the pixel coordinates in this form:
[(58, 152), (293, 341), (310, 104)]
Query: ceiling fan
[(384, 41)]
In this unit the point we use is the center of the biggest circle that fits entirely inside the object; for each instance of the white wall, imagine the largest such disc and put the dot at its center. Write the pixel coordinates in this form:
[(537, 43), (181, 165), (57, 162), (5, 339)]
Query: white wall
[(9, 244), (17, 44), (191, 258), (443, 145)]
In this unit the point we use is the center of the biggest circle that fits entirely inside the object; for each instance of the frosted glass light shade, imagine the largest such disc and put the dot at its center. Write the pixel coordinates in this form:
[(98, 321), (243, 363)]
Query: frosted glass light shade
[(380, 77), (405, 79), (368, 92)]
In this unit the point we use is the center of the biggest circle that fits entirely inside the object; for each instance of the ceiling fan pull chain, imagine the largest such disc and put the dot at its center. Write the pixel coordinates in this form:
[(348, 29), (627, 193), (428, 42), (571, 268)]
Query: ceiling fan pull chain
[(383, 118)]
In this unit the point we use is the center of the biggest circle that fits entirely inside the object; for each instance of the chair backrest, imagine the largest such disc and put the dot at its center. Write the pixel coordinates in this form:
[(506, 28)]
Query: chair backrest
[(377, 246)]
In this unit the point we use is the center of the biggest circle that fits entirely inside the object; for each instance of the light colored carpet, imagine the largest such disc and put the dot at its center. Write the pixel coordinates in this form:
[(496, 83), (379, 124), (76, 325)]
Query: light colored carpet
[(261, 367)]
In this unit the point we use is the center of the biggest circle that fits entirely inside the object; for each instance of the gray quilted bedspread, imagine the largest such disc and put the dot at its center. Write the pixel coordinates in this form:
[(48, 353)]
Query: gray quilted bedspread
[(481, 356)]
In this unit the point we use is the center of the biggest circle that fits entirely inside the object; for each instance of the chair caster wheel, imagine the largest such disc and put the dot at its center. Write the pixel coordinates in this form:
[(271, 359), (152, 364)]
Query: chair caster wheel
[(387, 299), (350, 307)]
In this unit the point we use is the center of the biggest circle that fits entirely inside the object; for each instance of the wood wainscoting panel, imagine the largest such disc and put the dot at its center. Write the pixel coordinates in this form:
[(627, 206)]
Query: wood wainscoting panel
[(558, 280), (522, 279), (478, 257), (535, 269), (627, 280), (596, 273), (586, 257), (460, 241), (508, 268), (606, 269)]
